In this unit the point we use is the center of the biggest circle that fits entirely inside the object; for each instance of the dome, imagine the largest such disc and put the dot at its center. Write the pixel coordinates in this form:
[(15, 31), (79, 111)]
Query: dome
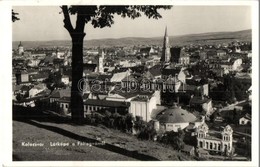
[(175, 115)]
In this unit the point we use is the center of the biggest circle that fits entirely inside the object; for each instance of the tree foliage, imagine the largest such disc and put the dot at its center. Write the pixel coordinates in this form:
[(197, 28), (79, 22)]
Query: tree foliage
[(175, 139), (100, 17), (14, 16)]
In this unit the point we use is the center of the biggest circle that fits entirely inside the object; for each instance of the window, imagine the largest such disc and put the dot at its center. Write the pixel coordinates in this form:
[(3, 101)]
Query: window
[(201, 144), (66, 105)]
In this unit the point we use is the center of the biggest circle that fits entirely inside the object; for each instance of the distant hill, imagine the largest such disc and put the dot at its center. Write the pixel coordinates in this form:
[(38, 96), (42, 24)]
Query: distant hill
[(204, 38)]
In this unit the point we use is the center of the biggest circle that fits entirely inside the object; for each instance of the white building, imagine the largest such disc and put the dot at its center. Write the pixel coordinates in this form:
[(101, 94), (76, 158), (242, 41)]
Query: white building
[(218, 142), (36, 89), (175, 117), (101, 62), (65, 79), (20, 48), (142, 106), (245, 120)]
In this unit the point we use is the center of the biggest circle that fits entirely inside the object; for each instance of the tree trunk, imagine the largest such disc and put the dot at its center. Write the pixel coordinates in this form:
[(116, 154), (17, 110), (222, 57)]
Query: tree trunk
[(77, 108), (77, 35)]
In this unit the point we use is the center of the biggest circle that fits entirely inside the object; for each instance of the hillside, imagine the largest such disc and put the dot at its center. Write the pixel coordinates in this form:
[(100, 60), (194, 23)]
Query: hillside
[(204, 38), (46, 128)]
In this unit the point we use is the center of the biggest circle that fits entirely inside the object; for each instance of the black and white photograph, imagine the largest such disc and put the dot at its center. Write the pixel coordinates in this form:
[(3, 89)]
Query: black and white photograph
[(133, 82)]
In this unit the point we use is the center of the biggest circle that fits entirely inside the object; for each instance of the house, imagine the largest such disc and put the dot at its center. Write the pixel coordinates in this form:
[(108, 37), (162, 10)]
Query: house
[(36, 89), (59, 93), (13, 79), (232, 65), (179, 56), (64, 105), (119, 76), (65, 79), (172, 71), (201, 104), (245, 120), (147, 51), (94, 105), (189, 150), (89, 68), (236, 63), (173, 118), (137, 81), (142, 106), (215, 141), (22, 77), (39, 77), (156, 71), (221, 53), (33, 62)]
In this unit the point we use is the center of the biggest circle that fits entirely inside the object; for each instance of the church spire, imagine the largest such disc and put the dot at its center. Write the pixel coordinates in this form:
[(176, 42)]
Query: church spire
[(166, 33), (166, 55)]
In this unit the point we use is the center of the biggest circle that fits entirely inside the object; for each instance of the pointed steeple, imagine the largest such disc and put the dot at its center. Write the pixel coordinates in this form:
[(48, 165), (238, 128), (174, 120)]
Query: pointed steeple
[(20, 44), (166, 55), (166, 33)]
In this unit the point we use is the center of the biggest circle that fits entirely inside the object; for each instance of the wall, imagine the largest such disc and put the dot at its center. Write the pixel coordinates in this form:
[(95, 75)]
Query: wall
[(175, 126)]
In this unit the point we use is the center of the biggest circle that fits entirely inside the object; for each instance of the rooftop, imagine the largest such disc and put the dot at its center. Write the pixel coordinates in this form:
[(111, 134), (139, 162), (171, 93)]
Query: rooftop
[(106, 103), (175, 115)]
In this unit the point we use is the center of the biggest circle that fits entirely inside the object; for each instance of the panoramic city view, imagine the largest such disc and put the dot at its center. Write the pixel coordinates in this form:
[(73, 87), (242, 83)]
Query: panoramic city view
[(131, 83)]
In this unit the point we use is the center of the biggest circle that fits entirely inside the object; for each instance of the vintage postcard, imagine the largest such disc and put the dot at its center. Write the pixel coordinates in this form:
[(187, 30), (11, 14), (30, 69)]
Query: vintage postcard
[(130, 83)]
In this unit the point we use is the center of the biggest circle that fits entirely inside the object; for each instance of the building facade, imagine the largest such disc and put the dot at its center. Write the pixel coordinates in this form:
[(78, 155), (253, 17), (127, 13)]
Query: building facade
[(222, 143)]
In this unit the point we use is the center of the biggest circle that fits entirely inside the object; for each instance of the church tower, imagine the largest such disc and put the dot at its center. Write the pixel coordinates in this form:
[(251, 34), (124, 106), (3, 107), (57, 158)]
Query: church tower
[(100, 62), (20, 49), (227, 139), (166, 54)]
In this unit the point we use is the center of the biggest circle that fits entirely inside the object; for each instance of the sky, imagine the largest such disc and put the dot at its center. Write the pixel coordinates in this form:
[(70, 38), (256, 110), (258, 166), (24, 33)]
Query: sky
[(41, 23)]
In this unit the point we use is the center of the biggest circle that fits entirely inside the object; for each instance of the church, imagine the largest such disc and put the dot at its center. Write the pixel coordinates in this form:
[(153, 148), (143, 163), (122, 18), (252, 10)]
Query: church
[(173, 55)]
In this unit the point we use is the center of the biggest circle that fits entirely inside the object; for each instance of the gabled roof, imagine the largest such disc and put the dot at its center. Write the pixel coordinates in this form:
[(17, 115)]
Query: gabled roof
[(247, 116), (199, 100), (64, 100), (60, 93), (40, 76), (145, 50), (89, 67), (156, 70), (118, 77), (171, 71)]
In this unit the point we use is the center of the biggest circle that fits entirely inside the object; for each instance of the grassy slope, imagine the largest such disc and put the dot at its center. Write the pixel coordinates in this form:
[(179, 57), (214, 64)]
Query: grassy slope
[(46, 132)]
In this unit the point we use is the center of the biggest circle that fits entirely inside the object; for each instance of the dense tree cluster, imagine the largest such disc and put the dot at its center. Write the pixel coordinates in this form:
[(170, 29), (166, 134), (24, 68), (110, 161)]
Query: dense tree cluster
[(54, 81), (175, 139), (230, 90), (112, 120)]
